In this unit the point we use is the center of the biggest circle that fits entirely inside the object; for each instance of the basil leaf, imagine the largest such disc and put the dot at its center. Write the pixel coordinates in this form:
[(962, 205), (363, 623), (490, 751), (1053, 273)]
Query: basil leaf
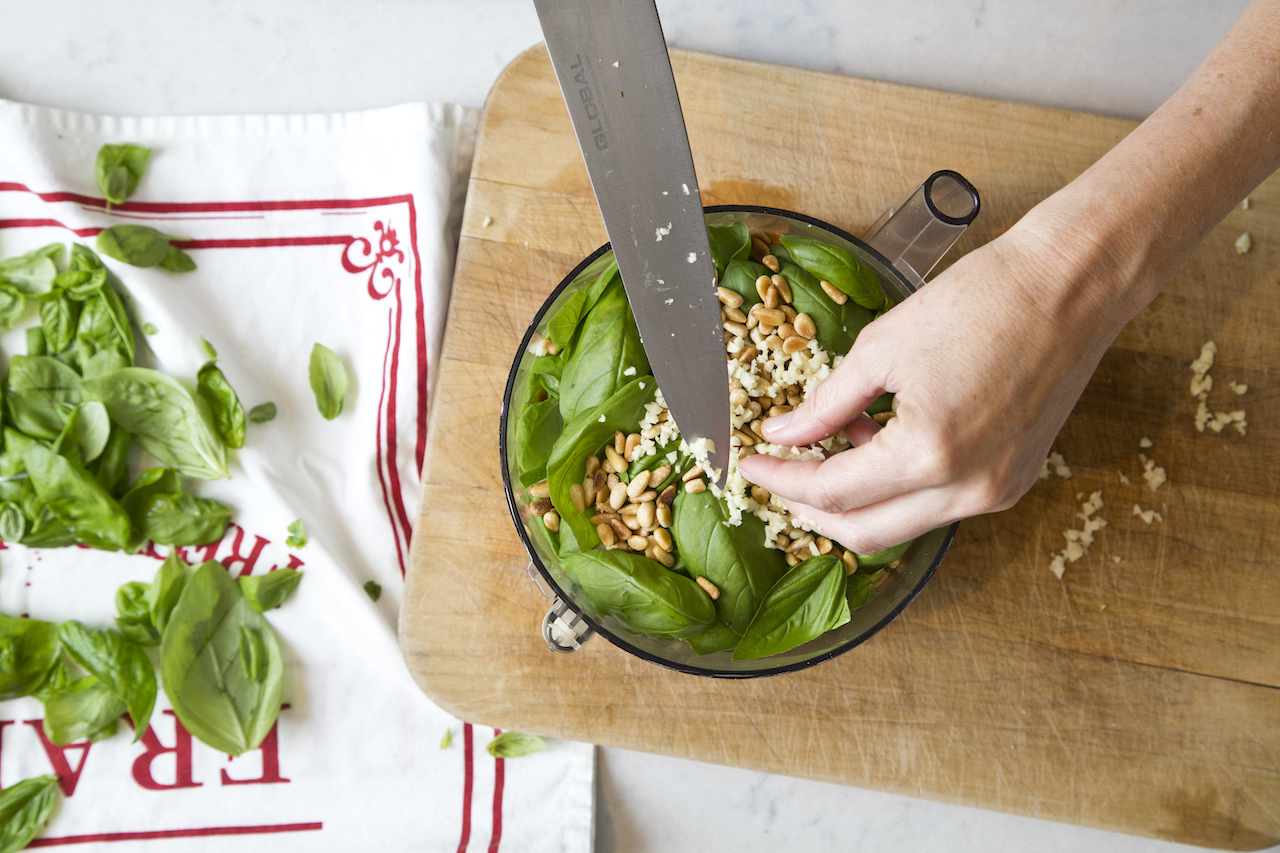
[(168, 420), (41, 395), (103, 362), (251, 655), (177, 518), (36, 344), (152, 482), (32, 273), (119, 664), (12, 306), (104, 325), (149, 328), (118, 170), (176, 260), (447, 739), (86, 708), (735, 559), (741, 277), (28, 649), (803, 605), (515, 745), (25, 808), (837, 325), (833, 264), (262, 413), (73, 495), (228, 414), (885, 557), (860, 587), (297, 534), (265, 592), (328, 381), (373, 590), (561, 327), (13, 524), (728, 243), (86, 433), (585, 435), (57, 680), (166, 589), (80, 284), (110, 469), (539, 426), (608, 346), (59, 316), (136, 245), (47, 529), (209, 352), (603, 270), (642, 595), (133, 616), (200, 670), (718, 638)]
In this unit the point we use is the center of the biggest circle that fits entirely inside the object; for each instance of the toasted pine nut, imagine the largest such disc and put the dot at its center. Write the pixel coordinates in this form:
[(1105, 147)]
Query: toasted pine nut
[(784, 290), (805, 326), (606, 534), (883, 418), (850, 562), (745, 439), (578, 496), (759, 249), (894, 564), (649, 550), (771, 262), (664, 557), (837, 295), (729, 297), (629, 511), (738, 330), (695, 486), (541, 506), (739, 397), (651, 431), (633, 441), (612, 480), (778, 280), (664, 514), (794, 344), (620, 441), (602, 518), (659, 474), (618, 495), (773, 342), (552, 521), (540, 490), (638, 484), (748, 355), (792, 559), (668, 495), (662, 537), (760, 494), (752, 323), (619, 528), (782, 540), (593, 465), (588, 492), (735, 314), (775, 237), (631, 522), (824, 545), (647, 515), (774, 411), (793, 399), (614, 457), (692, 474), (772, 316), (708, 587), (786, 330), (762, 285), (551, 347), (772, 299), (789, 311), (637, 543), (800, 543)]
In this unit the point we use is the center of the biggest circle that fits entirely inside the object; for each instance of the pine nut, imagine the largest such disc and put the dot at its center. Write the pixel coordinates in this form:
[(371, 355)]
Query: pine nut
[(593, 465), (631, 522), (541, 506), (638, 484), (775, 237), (613, 480), (792, 559), (619, 528), (757, 427), (651, 431), (760, 494), (837, 295), (748, 355), (883, 418), (649, 550), (789, 311), (782, 540), (786, 330), (772, 316), (735, 314), (771, 262), (778, 281), (618, 495), (850, 562), (637, 543), (692, 474), (731, 298), (628, 511), (647, 515), (664, 557), (774, 411), (606, 534), (805, 326), (793, 399), (773, 342), (762, 285), (615, 459), (799, 544), (739, 398), (663, 539), (753, 323), (540, 490), (552, 521), (772, 299), (620, 442), (664, 514), (824, 545), (784, 289), (578, 497), (745, 439), (551, 347), (602, 518), (665, 499), (695, 486), (794, 344), (633, 441), (659, 474), (758, 249), (738, 330), (708, 587), (588, 492)]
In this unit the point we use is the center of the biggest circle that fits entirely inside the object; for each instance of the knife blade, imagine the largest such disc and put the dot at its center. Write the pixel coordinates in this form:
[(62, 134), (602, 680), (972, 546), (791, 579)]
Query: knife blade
[(611, 61)]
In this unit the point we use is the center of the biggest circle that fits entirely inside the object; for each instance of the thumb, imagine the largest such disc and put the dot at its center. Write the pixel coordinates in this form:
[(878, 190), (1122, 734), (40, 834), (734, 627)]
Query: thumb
[(834, 404)]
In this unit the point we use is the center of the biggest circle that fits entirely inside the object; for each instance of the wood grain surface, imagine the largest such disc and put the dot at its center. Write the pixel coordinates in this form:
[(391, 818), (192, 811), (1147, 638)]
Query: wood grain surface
[(1137, 695)]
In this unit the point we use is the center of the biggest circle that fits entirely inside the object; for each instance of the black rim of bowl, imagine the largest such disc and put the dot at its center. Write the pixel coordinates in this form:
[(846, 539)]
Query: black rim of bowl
[(600, 629)]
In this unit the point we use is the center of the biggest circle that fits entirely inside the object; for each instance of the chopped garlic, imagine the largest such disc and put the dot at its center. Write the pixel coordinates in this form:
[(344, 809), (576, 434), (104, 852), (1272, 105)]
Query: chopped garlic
[(1057, 465), (1123, 478), (1244, 243), (1148, 515), (1239, 388), (1078, 541), (630, 371), (1154, 474), (1144, 442)]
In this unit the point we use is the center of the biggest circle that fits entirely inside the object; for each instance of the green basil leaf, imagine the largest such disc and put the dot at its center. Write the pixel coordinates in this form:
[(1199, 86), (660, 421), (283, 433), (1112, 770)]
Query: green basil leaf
[(80, 284), (735, 559), (265, 592), (12, 306), (28, 649), (447, 740), (885, 557), (642, 595), (42, 393), (57, 680), (166, 589), (47, 529), (585, 435), (262, 413), (210, 352), (373, 590), (136, 245), (24, 810), (251, 655), (59, 316), (149, 328), (176, 260), (561, 327), (833, 264), (608, 346), (515, 745), (718, 638), (72, 494), (838, 325), (539, 426), (34, 272), (741, 277), (168, 420), (228, 414), (803, 605), (119, 664), (86, 433), (133, 616), (13, 524), (199, 668), (36, 344), (297, 534), (328, 381), (104, 325), (178, 519), (728, 243), (600, 272), (118, 170), (86, 708), (111, 468), (103, 362), (152, 482), (860, 587)]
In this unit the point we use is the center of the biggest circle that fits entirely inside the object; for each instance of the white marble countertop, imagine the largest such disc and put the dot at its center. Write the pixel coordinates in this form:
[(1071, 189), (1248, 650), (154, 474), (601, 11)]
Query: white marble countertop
[(237, 56)]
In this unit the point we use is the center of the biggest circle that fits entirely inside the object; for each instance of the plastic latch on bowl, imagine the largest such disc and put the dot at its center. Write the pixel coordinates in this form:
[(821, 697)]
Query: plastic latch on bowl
[(563, 628)]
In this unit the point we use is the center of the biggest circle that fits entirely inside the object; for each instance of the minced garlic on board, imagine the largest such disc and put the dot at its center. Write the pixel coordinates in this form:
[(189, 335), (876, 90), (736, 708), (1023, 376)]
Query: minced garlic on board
[(1078, 541)]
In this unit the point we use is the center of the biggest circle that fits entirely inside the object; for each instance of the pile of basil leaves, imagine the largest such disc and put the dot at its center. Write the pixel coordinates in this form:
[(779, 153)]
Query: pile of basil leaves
[(599, 382)]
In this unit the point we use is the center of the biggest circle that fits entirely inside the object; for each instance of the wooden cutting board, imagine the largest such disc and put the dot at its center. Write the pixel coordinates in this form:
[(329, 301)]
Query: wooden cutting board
[(1138, 693)]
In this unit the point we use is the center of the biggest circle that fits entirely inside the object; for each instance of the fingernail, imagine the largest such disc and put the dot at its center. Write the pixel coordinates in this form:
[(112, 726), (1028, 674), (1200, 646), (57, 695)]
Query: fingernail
[(772, 425)]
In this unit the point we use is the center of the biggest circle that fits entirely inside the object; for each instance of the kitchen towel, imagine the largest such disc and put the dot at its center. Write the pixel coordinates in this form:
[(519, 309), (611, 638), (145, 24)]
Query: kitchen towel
[(338, 229)]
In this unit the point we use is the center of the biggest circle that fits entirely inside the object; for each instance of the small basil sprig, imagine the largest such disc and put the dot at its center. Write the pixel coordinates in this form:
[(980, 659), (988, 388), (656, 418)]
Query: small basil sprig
[(803, 605), (166, 589), (85, 708), (34, 272), (25, 808), (262, 413), (120, 665), (143, 246), (177, 518), (118, 170), (265, 592), (75, 497), (515, 744), (297, 534), (373, 590), (28, 650), (133, 616), (328, 380), (224, 404)]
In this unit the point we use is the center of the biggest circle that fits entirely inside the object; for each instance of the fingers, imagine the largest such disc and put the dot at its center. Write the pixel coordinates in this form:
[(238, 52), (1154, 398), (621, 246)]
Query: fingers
[(874, 528), (831, 406)]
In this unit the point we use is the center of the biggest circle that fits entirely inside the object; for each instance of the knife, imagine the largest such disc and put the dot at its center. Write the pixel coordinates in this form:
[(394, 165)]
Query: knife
[(611, 60)]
